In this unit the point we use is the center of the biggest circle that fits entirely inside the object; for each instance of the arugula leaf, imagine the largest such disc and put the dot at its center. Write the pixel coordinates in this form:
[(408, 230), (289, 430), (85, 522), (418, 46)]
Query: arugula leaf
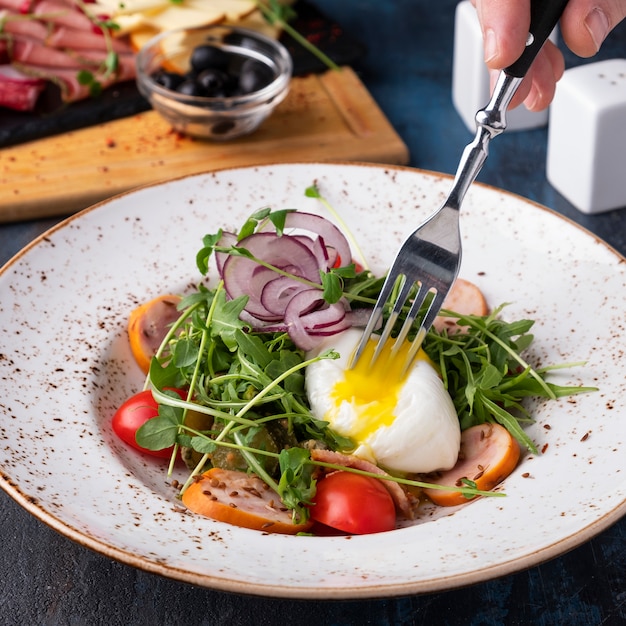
[(485, 374), (185, 353), (251, 384), (254, 347), (296, 486)]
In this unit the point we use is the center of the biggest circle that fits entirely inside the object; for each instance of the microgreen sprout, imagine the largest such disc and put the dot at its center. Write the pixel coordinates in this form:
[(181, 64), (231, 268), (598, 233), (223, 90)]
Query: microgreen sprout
[(314, 192), (248, 384), (280, 14)]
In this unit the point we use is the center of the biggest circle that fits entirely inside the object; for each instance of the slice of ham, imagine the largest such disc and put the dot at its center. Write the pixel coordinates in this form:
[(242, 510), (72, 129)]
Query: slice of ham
[(20, 7), (17, 90), (30, 52), (67, 79), (465, 298), (53, 40), (126, 62), (64, 37), (74, 39), (63, 14), (402, 499)]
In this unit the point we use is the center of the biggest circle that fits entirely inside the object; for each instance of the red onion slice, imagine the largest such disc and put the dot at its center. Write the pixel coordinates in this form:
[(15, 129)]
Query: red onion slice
[(226, 240), (360, 317), (331, 236), (277, 293), (243, 276), (278, 303), (306, 312)]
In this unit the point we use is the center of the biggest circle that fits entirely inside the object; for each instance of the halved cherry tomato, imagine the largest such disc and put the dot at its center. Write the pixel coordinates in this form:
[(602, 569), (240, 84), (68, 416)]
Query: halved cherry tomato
[(353, 503), (147, 326), (135, 412)]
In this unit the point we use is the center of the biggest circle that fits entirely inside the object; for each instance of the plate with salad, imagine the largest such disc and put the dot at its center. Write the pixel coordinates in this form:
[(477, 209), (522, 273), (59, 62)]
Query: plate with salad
[(177, 390)]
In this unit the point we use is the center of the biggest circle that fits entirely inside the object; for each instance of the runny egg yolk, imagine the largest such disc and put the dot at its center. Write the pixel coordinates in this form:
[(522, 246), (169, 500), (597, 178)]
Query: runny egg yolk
[(373, 388), (403, 421)]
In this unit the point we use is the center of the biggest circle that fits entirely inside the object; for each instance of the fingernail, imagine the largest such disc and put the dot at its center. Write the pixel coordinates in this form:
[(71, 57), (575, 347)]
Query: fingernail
[(491, 45), (532, 100), (597, 24)]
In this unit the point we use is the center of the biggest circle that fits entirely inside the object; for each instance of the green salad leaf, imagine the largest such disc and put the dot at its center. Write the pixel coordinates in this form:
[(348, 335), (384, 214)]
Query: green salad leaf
[(247, 407)]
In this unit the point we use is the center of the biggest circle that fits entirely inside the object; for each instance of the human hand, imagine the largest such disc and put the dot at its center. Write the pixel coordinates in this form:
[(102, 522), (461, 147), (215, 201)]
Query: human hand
[(505, 23)]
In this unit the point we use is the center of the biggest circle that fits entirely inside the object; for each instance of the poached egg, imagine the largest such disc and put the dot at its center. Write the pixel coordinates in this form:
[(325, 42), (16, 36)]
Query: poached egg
[(404, 422)]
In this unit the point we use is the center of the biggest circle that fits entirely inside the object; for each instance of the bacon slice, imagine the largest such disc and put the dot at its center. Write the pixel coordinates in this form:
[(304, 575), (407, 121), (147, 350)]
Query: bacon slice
[(402, 499)]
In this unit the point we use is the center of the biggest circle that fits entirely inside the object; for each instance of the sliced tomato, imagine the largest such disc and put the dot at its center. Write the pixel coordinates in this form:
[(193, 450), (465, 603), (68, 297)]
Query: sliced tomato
[(242, 500), (353, 503), (135, 412)]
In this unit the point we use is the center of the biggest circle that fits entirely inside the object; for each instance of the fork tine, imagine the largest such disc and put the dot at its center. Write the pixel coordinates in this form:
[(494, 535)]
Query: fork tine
[(419, 299), (427, 322), (375, 317), (403, 294), (431, 255)]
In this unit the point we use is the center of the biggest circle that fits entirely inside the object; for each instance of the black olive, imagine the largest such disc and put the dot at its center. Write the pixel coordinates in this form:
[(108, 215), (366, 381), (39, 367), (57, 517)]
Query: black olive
[(221, 128), (190, 88), (213, 82), (254, 75), (206, 57), (169, 80)]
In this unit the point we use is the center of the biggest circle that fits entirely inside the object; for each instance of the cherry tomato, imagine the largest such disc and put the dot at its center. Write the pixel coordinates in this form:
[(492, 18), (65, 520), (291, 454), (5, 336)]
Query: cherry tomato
[(135, 412), (353, 503)]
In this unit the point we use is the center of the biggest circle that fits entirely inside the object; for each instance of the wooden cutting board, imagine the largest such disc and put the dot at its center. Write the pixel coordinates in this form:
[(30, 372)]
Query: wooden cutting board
[(328, 116)]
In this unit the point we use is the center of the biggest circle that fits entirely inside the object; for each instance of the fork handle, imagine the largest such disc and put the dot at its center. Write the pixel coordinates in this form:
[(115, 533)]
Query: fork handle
[(544, 16)]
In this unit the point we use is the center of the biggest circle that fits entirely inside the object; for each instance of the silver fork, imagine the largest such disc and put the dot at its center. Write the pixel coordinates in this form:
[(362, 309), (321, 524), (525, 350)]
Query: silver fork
[(430, 257)]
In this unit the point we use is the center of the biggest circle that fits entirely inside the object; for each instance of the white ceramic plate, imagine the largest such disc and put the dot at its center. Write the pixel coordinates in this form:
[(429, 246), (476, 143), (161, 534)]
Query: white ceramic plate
[(65, 366)]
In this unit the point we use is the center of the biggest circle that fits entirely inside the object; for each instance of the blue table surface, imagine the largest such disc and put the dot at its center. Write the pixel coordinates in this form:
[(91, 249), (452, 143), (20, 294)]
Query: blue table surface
[(48, 579)]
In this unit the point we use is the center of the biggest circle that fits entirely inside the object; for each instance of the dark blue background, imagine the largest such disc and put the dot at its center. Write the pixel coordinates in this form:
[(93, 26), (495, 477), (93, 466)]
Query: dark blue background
[(47, 579)]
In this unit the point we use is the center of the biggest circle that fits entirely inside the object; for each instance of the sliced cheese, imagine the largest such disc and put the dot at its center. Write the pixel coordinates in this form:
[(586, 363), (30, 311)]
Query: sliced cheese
[(232, 9), (132, 7), (130, 24), (179, 16), (255, 21), (140, 37)]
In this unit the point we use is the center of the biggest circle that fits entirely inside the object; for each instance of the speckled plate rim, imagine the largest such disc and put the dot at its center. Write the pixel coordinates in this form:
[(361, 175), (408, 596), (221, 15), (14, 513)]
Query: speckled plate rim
[(456, 579)]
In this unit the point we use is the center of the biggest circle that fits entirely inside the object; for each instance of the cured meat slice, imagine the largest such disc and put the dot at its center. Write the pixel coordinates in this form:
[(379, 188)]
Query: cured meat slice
[(17, 90)]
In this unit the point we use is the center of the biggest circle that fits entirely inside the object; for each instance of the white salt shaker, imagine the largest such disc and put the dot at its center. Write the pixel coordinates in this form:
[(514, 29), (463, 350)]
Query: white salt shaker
[(586, 159), (470, 77)]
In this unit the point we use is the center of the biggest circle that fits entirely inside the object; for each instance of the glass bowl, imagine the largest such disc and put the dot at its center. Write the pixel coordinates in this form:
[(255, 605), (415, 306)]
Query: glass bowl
[(234, 109)]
